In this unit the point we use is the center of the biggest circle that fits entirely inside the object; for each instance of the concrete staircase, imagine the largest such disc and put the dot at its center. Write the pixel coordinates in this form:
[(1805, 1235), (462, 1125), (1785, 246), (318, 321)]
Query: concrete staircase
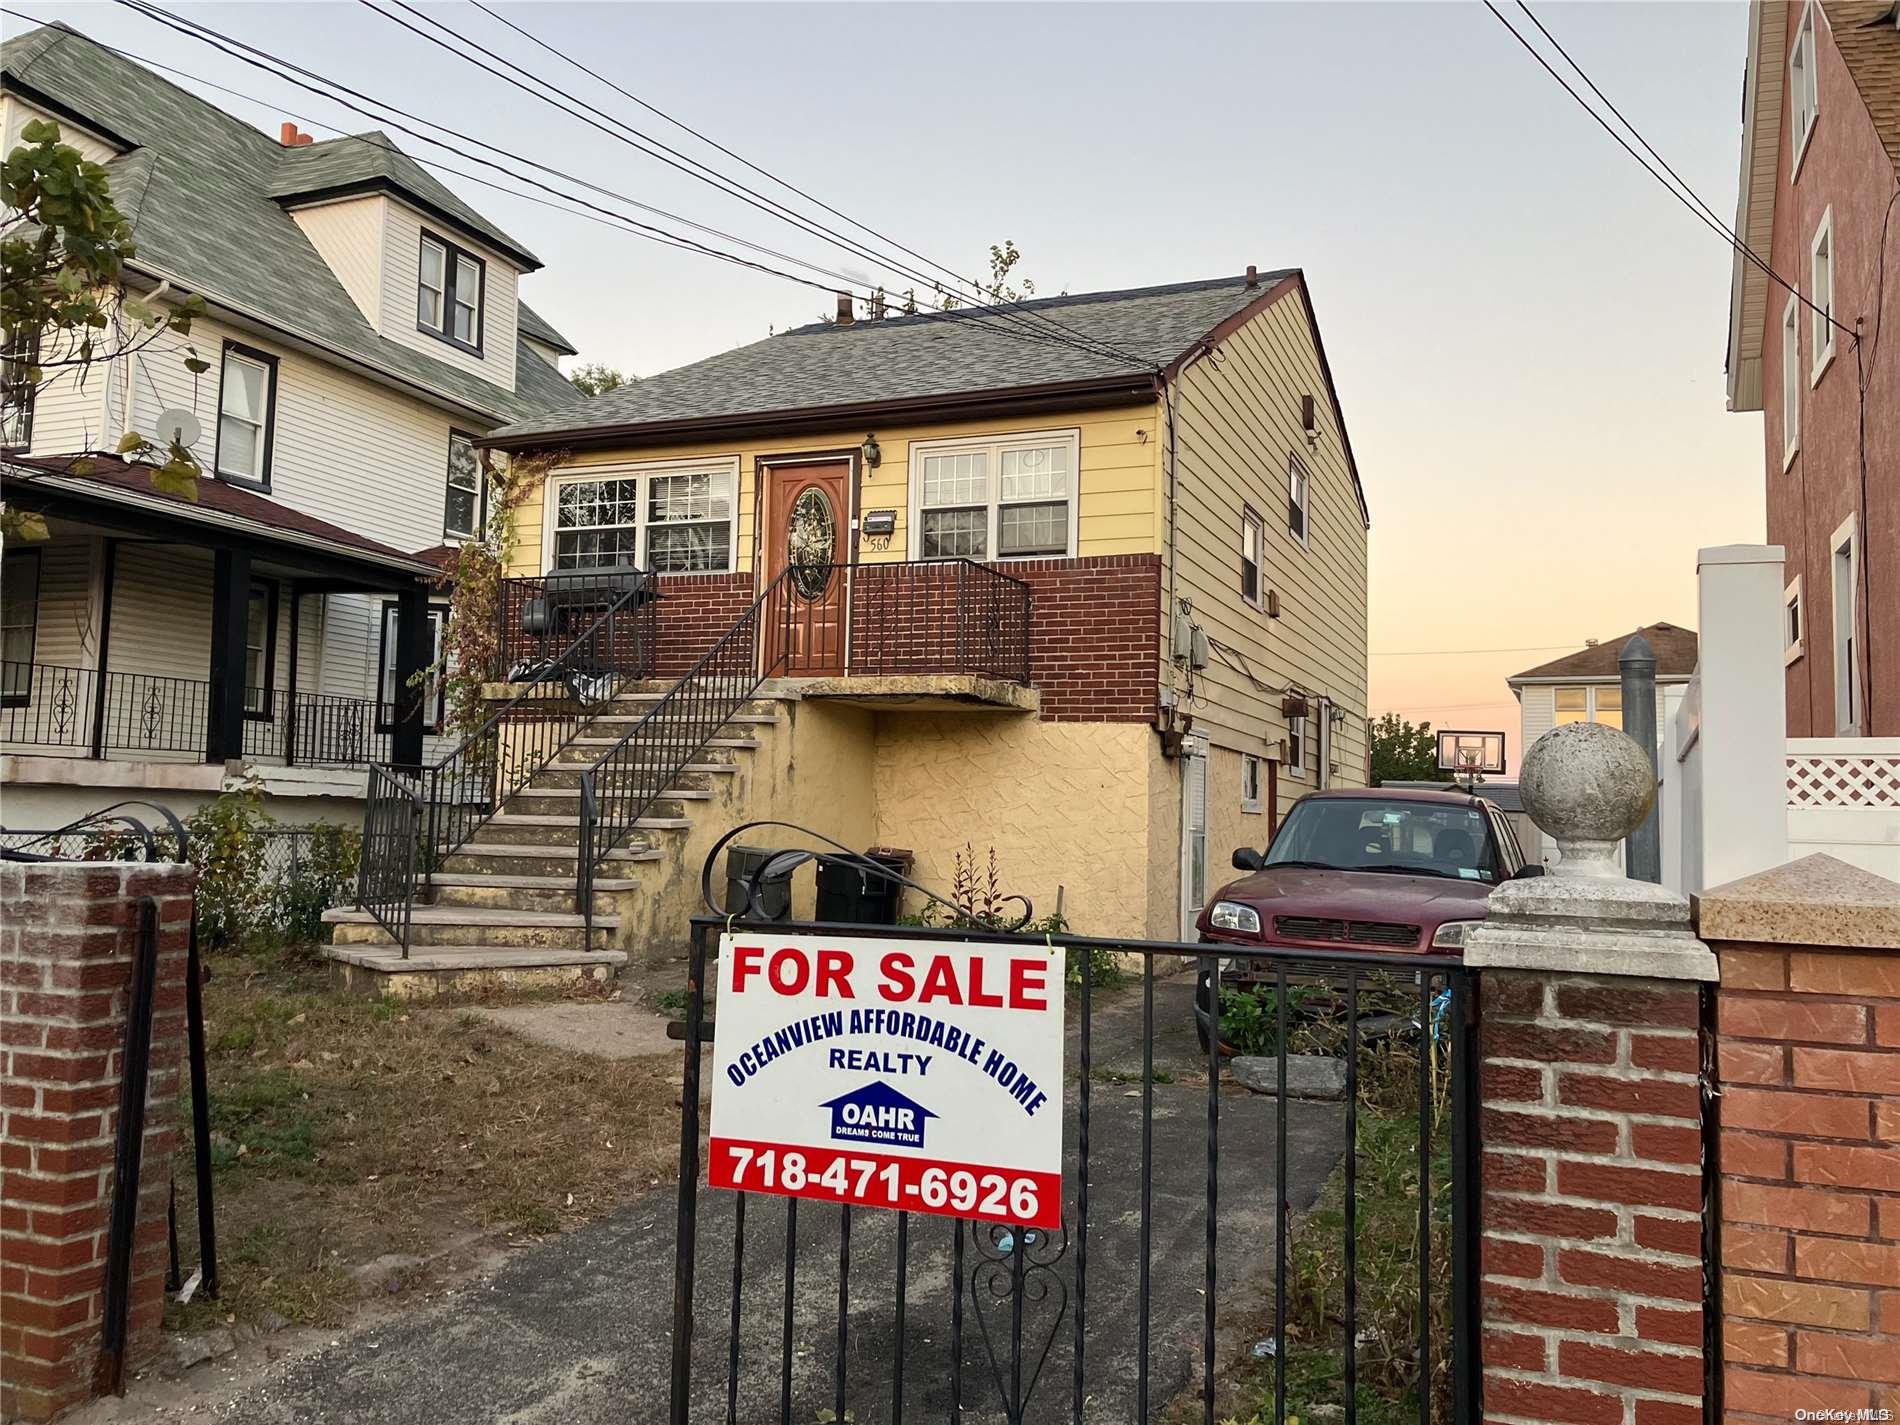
[(505, 914)]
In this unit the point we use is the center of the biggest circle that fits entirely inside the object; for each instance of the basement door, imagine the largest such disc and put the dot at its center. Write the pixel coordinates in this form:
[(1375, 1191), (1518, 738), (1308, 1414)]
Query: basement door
[(1193, 833), (809, 509)]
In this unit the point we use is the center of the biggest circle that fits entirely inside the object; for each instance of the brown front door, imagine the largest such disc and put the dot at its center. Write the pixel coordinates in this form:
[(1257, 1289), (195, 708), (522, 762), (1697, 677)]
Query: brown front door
[(808, 508)]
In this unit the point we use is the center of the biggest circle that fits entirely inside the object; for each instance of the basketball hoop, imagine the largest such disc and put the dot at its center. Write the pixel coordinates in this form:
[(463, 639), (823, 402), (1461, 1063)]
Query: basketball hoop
[(1471, 756)]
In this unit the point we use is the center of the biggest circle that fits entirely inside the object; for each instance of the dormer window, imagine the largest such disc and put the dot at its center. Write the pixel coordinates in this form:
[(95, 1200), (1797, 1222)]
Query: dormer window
[(449, 293)]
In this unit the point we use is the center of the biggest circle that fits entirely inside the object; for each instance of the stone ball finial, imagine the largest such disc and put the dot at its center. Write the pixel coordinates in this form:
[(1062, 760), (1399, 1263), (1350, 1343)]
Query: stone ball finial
[(1587, 786)]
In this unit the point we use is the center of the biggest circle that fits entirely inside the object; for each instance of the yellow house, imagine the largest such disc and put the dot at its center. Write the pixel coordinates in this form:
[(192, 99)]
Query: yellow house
[(1081, 580)]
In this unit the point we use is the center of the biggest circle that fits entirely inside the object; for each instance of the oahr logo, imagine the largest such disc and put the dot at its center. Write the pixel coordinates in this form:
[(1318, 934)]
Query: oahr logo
[(877, 1113)]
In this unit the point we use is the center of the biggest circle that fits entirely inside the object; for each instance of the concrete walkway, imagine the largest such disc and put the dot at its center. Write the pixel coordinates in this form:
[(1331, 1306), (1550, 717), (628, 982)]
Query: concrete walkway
[(577, 1331)]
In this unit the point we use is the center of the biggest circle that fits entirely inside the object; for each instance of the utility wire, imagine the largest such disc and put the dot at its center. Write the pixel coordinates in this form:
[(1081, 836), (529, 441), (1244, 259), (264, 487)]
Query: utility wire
[(747, 163), (646, 144), (265, 61), (1458, 652), (1690, 202)]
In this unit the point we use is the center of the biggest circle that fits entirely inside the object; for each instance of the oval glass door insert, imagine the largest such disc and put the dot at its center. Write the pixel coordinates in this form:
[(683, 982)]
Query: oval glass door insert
[(811, 542)]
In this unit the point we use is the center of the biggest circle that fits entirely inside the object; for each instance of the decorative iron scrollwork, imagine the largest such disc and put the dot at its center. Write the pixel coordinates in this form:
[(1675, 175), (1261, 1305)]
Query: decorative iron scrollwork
[(1015, 1277)]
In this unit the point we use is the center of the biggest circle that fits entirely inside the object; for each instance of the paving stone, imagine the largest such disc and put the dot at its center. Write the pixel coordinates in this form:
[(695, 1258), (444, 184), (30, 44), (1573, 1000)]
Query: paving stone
[(1307, 1075)]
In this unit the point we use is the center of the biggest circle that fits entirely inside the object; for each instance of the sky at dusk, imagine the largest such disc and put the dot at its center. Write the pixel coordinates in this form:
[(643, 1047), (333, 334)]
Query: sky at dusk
[(1526, 331)]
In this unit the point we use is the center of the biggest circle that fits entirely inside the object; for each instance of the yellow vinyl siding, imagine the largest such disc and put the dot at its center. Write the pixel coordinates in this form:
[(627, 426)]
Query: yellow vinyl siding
[(1237, 418), (1118, 477)]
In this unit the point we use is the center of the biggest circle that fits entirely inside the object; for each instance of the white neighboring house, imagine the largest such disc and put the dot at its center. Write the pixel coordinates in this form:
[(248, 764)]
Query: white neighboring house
[(365, 328), (1587, 686)]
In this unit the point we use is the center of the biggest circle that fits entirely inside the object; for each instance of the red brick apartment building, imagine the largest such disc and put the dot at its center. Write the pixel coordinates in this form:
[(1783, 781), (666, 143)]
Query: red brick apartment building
[(1820, 203)]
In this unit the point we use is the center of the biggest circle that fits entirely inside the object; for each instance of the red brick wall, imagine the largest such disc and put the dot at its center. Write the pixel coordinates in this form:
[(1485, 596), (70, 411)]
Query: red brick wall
[(67, 939), (694, 610), (1809, 1060), (1095, 636), (1846, 169), (1592, 1277)]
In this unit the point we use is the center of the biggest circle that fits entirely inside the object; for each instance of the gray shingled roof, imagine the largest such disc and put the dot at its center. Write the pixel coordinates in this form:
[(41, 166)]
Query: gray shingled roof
[(1675, 648), (533, 324), (198, 190), (371, 160), (905, 358)]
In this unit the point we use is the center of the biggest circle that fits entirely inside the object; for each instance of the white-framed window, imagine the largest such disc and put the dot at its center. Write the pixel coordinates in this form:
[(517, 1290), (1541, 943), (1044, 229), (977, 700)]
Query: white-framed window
[(1296, 747), (670, 517), (247, 394), (17, 390), (1299, 500), (19, 622), (1006, 497), (260, 650), (1790, 380), (466, 503), (1794, 627), (1253, 781), (1253, 545), (1844, 563), (1804, 90), (1821, 294), (449, 282), (435, 695), (1588, 702)]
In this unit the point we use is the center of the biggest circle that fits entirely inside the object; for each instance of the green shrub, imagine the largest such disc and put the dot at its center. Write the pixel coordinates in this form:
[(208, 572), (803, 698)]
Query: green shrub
[(316, 881), (228, 848)]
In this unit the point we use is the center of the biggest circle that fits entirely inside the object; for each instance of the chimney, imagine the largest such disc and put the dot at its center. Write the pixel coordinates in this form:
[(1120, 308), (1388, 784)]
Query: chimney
[(1253, 275), (1589, 643), (844, 309), (289, 137)]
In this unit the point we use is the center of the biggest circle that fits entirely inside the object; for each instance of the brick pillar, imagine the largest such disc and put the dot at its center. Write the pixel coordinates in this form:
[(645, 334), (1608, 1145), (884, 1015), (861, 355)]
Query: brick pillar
[(1808, 1055), (68, 935), (1592, 1285)]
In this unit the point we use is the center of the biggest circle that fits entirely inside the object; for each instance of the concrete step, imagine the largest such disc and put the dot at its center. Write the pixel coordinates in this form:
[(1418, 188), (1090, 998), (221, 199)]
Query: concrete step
[(440, 971), (585, 751), (480, 860), (696, 774), (440, 925), (538, 829), (566, 801), (537, 893)]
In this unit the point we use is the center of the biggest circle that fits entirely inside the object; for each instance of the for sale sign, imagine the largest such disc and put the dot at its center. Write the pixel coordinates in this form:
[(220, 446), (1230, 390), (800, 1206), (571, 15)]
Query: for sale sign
[(914, 1074)]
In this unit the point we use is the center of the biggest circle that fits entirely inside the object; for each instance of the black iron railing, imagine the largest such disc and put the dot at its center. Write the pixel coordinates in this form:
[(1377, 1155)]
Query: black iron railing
[(938, 616), (625, 781), (456, 795), (68, 710), (536, 619)]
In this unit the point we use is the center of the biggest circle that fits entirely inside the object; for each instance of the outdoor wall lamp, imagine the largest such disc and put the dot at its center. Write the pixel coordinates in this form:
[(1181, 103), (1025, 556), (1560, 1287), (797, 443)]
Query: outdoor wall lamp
[(872, 452)]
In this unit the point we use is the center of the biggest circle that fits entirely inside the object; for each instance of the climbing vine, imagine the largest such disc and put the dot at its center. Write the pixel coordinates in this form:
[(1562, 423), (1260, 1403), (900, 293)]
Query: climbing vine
[(470, 648)]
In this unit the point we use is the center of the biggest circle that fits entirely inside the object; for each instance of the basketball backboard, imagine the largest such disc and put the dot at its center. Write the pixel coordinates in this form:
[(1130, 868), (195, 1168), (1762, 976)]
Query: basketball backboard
[(1466, 753)]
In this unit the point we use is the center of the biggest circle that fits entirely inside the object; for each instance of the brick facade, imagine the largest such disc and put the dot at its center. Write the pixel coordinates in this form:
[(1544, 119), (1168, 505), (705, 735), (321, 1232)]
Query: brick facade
[(694, 610), (1809, 1060), (1592, 1285), (68, 934)]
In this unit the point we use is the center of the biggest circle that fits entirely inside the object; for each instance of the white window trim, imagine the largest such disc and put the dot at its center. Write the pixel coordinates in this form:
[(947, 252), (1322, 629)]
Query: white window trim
[(642, 470), (995, 444), (1590, 709), (1305, 537), (1791, 383), (1296, 765), (1807, 32), (1824, 355), (1252, 806), (1791, 598), (1250, 519), (1846, 533)]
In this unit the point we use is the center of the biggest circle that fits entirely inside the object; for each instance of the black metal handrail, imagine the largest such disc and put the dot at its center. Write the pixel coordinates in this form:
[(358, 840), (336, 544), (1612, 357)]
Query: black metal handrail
[(459, 793), (55, 706), (625, 781), (938, 616)]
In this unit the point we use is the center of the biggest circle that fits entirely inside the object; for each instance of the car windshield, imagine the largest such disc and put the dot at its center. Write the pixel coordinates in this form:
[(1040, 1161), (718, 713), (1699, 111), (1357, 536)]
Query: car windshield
[(1374, 834)]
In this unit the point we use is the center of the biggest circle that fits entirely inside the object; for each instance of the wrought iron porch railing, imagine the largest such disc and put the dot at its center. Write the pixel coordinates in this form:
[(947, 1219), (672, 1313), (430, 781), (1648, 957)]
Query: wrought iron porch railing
[(938, 616), (457, 794), (536, 618), (46, 705), (625, 781)]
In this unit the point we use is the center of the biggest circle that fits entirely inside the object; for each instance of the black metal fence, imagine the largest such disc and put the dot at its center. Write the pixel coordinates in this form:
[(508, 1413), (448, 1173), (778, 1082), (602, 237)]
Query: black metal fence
[(1168, 1293), (939, 616), (287, 849), (82, 711)]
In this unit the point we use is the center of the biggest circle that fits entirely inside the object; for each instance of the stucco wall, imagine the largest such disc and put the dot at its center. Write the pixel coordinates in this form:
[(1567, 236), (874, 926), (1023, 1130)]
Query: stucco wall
[(1844, 169), (1064, 804)]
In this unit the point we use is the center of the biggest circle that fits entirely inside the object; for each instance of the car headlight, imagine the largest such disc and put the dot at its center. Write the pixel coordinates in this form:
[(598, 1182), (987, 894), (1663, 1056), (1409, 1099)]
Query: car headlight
[(1231, 915), (1452, 934)]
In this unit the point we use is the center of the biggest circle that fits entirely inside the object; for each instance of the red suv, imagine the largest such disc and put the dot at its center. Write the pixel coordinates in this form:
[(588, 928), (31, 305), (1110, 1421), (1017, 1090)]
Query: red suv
[(1369, 869)]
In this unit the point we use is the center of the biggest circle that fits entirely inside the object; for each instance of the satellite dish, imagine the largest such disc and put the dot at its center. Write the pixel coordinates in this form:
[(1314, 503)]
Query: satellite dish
[(175, 423)]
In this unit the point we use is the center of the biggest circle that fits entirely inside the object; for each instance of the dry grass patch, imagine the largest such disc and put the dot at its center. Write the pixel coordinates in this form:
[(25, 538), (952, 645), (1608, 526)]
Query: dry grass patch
[(348, 1130)]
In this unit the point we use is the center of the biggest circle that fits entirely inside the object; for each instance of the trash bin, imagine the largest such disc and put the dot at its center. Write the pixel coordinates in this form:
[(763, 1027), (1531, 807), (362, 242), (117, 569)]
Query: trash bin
[(775, 897), (854, 896)]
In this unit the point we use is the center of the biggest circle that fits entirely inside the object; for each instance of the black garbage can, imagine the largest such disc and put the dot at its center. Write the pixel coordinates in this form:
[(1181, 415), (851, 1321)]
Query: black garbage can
[(854, 896), (775, 897)]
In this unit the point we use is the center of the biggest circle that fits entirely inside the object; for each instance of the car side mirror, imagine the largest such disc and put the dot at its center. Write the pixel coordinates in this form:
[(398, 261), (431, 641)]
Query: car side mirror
[(1529, 871), (1248, 859)]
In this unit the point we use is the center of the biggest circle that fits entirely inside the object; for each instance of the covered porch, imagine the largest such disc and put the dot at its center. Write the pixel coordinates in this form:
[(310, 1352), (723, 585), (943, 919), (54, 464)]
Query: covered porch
[(157, 630)]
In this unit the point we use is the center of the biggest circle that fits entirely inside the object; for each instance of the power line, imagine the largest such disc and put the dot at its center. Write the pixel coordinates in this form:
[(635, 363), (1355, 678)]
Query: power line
[(1690, 201), (646, 144), (746, 162), (1455, 652)]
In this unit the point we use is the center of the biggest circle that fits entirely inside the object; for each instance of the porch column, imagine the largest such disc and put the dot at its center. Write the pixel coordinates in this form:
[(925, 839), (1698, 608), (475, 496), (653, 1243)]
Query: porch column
[(413, 654), (230, 616)]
